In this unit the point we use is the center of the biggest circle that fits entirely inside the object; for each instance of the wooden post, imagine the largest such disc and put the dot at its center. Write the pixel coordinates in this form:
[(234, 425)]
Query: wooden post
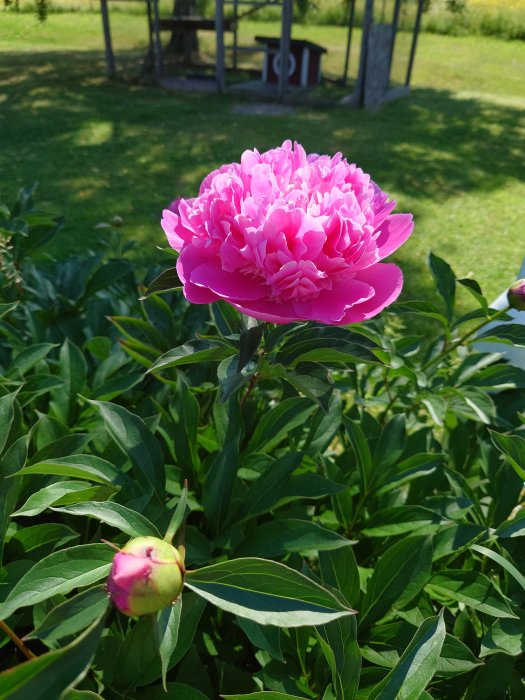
[(395, 21), (286, 31), (349, 41), (220, 72), (414, 42), (110, 59), (235, 32), (367, 23), (158, 44)]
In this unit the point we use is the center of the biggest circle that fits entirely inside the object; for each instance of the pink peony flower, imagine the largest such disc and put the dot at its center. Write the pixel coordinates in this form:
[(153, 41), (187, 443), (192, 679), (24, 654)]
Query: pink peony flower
[(146, 576), (284, 236)]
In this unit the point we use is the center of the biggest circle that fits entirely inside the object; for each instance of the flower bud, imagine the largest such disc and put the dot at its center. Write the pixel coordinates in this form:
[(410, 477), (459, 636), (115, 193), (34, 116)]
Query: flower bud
[(516, 295), (146, 576)]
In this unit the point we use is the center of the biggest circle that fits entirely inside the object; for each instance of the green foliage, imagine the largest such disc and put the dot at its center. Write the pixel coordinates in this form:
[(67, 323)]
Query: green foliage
[(349, 500)]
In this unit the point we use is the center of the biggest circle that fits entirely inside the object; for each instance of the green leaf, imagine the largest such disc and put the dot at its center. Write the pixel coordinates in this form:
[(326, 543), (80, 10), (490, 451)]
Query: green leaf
[(230, 378), (28, 358), (167, 281), (454, 538), (362, 452), (105, 276), (326, 344), (494, 678), (38, 385), (248, 344), (218, 486), (499, 378), (72, 616), (474, 289), (400, 520), (512, 570), (391, 444), (11, 461), (119, 517), (416, 667), (264, 695), (266, 592), (507, 636), (507, 333), (74, 694), (137, 442), (76, 466), (339, 569), (515, 527), (279, 537), (345, 353), (263, 637), (184, 410), (73, 372), (339, 644), (59, 572), (415, 467), (470, 588), (226, 318), (513, 447), (312, 387), (64, 446), (27, 539), (7, 308), (167, 634), (394, 584), (276, 424), (138, 662), (437, 407), (60, 493), (191, 353), (115, 386), (445, 282), (7, 416), (455, 658), (48, 675), (265, 492), (175, 690), (424, 309), (178, 516)]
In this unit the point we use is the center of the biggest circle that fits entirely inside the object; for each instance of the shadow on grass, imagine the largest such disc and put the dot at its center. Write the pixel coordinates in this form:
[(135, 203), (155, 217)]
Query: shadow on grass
[(100, 148)]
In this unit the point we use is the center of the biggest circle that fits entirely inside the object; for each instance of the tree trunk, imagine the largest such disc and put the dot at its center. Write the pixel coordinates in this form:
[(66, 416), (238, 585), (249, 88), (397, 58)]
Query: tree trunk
[(184, 44)]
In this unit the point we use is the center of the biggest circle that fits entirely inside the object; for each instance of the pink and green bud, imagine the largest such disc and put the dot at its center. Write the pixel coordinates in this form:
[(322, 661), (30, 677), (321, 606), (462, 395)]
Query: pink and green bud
[(146, 576), (516, 295)]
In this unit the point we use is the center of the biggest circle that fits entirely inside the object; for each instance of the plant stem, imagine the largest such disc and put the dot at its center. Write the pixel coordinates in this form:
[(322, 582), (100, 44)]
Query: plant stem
[(17, 641), (253, 380), (464, 337)]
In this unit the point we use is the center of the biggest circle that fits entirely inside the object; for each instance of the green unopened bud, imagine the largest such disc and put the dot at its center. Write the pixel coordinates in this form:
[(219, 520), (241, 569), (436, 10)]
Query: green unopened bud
[(516, 295), (146, 576)]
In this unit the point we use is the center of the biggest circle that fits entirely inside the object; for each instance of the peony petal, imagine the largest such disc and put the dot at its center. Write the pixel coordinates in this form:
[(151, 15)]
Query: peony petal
[(387, 281), (268, 310), (170, 221), (331, 304), (394, 231), (234, 286)]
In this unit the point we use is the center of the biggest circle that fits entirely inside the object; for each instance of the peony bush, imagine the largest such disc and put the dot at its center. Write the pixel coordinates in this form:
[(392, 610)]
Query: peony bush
[(250, 483)]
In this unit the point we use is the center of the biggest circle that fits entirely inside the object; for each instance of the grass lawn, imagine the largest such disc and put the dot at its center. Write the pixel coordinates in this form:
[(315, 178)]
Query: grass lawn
[(453, 153)]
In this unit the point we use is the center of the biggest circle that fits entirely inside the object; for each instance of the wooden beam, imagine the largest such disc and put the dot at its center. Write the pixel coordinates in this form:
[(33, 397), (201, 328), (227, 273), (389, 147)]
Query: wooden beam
[(286, 33), (220, 70), (110, 58)]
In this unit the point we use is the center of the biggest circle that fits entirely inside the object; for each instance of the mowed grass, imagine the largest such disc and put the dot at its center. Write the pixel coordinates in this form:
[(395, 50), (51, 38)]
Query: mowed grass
[(452, 153)]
